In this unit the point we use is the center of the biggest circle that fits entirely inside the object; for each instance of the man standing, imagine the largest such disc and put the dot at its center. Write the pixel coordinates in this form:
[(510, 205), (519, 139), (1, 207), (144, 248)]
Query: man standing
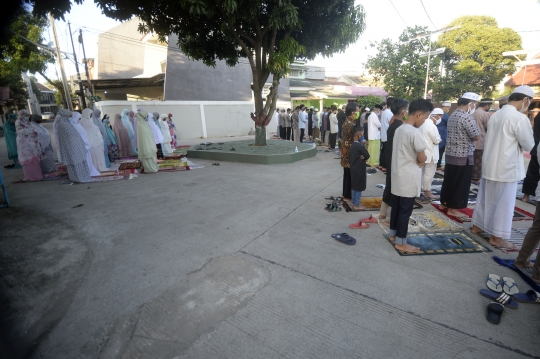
[(302, 122), (530, 183), (315, 120), (295, 120), (443, 131), (282, 124), (288, 125), (324, 124), (275, 119), (481, 116), (508, 134), (374, 136), (341, 118), (310, 122), (462, 132), (385, 123)]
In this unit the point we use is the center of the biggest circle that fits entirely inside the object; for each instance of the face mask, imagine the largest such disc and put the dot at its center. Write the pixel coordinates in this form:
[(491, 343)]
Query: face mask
[(471, 110), (438, 121), (523, 107)]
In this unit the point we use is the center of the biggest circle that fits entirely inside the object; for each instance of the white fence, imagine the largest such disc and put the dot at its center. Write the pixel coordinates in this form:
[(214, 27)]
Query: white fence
[(194, 119)]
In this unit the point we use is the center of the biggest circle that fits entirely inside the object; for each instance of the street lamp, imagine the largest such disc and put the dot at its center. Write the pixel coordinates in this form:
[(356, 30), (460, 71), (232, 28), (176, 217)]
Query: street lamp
[(429, 53)]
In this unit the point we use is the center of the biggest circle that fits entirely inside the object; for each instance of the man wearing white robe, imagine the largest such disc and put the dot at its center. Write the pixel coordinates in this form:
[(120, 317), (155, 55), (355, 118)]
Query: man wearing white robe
[(508, 135)]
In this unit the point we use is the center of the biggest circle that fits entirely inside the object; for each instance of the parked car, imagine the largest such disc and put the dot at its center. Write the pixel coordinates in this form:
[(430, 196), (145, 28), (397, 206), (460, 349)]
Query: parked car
[(47, 116)]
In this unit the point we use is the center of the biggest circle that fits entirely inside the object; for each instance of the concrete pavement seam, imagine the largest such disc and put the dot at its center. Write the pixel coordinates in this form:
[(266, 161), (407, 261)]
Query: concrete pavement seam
[(500, 345)]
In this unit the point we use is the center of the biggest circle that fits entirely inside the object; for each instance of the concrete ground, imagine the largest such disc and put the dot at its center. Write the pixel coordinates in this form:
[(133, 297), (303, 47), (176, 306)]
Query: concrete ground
[(234, 261)]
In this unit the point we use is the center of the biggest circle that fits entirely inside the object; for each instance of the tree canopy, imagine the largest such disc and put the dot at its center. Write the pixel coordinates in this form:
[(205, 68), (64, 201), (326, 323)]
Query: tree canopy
[(18, 55), (399, 66), (473, 60), (270, 34)]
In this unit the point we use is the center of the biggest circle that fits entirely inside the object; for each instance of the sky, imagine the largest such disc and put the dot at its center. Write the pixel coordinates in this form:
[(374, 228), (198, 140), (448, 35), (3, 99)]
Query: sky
[(384, 19)]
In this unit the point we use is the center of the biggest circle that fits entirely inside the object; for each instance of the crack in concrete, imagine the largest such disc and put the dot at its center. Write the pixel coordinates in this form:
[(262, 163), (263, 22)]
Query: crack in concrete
[(498, 344)]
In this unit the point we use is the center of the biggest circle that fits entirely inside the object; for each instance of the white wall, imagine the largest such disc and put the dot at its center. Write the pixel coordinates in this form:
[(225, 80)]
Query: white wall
[(194, 119)]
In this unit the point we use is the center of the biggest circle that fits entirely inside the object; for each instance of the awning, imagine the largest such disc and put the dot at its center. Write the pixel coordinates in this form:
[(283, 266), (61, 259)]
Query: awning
[(104, 84)]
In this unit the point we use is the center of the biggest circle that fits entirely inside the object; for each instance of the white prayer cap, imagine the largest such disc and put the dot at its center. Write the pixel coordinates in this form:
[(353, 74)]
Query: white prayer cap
[(312, 107), (526, 90), (471, 96), (446, 104), (437, 111), (367, 108), (316, 110)]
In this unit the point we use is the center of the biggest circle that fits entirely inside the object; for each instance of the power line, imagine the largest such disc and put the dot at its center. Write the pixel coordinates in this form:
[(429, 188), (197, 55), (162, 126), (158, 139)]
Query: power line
[(398, 13), (432, 23)]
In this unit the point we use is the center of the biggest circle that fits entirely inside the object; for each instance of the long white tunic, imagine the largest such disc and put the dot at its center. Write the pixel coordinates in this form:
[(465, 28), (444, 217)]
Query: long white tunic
[(374, 126), (508, 135), (432, 138)]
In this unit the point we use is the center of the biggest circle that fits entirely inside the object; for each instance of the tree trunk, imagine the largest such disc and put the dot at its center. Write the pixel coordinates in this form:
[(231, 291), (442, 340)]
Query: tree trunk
[(260, 135)]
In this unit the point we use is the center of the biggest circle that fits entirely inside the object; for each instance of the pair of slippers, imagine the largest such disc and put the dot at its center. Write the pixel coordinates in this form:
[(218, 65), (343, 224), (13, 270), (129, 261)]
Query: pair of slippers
[(505, 293), (333, 207), (344, 238)]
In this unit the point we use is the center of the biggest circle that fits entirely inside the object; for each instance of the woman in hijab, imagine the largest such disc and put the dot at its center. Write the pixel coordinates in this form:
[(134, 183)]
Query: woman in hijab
[(113, 149), (146, 143), (158, 136), (72, 148), (131, 133), (133, 120), (166, 145), (122, 136), (106, 144), (28, 148), (75, 122), (11, 140), (172, 129), (95, 140), (46, 161)]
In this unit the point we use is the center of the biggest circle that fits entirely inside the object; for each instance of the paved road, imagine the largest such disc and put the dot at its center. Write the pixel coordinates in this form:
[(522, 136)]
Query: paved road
[(234, 261)]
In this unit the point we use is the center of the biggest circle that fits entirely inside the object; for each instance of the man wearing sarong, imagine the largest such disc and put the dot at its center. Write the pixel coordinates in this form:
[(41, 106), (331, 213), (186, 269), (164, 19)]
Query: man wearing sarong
[(481, 116), (508, 135), (462, 132)]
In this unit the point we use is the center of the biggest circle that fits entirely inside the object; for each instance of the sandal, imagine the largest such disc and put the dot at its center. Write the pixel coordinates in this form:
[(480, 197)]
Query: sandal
[(344, 238), (509, 286), (359, 225), (494, 312), (530, 297), (502, 298), (494, 283), (371, 219)]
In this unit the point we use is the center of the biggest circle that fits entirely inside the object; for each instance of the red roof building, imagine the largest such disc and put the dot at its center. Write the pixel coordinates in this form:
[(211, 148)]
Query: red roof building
[(528, 75)]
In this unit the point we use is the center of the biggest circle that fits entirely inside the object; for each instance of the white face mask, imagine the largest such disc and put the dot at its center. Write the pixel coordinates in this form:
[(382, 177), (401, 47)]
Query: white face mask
[(471, 110), (438, 121), (523, 107)]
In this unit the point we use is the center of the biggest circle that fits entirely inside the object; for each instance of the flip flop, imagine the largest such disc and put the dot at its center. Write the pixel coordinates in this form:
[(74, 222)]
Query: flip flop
[(359, 225), (494, 283), (371, 219), (494, 312), (502, 298), (344, 238), (510, 286), (530, 297)]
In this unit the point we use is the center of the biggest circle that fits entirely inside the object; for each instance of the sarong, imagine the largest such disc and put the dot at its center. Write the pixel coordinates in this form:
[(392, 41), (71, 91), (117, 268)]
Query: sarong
[(374, 149), (477, 166), (456, 186), (494, 207), (382, 157)]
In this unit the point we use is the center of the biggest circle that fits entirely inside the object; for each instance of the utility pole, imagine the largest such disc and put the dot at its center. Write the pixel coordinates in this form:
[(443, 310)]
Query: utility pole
[(89, 83), (83, 97), (61, 63)]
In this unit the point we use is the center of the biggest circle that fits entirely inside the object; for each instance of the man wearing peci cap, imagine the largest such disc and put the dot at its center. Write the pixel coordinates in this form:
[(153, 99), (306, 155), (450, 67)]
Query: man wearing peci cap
[(508, 135), (481, 116), (530, 183), (443, 131), (462, 132)]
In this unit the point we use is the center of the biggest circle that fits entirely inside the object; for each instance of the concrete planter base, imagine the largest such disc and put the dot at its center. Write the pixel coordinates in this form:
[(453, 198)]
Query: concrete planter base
[(275, 152)]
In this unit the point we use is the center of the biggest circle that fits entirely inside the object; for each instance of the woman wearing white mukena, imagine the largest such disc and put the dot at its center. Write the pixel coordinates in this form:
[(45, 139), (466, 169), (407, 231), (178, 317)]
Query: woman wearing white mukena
[(508, 135)]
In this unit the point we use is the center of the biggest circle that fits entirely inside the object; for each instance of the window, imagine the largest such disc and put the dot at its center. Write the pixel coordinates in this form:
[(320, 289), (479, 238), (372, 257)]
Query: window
[(295, 73)]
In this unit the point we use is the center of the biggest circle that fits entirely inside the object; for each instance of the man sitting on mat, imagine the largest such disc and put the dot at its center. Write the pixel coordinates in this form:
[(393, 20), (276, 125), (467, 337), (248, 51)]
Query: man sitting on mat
[(407, 156)]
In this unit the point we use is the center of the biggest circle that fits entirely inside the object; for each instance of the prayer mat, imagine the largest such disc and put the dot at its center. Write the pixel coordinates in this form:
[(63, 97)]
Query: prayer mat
[(446, 242), (519, 214), (473, 193), (438, 175), (372, 204), (517, 236), (430, 221), (525, 273), (436, 183)]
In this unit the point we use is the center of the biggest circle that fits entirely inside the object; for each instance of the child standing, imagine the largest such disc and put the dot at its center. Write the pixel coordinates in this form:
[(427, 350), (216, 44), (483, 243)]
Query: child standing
[(358, 157), (407, 157)]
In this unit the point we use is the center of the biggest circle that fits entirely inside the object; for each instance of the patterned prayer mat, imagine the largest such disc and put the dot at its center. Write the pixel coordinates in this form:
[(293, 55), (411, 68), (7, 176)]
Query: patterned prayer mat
[(372, 204), (519, 214), (447, 242), (516, 237), (429, 221), (525, 273)]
